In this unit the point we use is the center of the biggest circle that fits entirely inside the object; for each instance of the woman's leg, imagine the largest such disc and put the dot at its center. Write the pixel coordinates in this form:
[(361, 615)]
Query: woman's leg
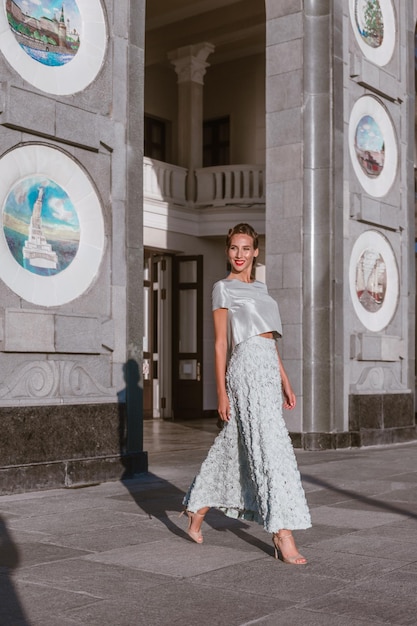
[(285, 547), (195, 521)]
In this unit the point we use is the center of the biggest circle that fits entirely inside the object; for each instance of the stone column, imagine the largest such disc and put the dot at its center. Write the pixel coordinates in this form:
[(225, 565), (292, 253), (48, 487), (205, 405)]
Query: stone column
[(190, 65), (317, 223), (136, 457)]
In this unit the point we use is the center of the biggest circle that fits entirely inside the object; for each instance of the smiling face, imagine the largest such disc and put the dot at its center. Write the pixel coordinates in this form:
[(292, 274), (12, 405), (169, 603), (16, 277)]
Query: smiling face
[(240, 254)]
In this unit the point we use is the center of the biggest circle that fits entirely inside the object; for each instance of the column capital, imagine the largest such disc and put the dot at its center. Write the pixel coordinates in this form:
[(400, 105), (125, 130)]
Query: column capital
[(190, 62)]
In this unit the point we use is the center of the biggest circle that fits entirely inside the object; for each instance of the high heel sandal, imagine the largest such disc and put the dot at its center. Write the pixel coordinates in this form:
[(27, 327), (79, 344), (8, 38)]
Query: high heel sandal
[(194, 534), (298, 559)]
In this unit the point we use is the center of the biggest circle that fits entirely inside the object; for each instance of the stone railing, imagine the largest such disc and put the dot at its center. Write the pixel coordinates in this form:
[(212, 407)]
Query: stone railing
[(215, 186), (164, 182), (230, 184)]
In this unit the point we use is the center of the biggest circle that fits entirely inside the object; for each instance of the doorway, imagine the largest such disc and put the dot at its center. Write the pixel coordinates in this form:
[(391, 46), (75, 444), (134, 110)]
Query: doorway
[(156, 336), (173, 336)]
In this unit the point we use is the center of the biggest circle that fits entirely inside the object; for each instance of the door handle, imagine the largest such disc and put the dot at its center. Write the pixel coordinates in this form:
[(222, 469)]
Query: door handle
[(198, 371)]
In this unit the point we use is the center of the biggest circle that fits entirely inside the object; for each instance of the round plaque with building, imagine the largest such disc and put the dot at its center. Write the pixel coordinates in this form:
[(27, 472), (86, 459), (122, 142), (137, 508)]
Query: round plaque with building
[(51, 225), (373, 280), (373, 145), (56, 46)]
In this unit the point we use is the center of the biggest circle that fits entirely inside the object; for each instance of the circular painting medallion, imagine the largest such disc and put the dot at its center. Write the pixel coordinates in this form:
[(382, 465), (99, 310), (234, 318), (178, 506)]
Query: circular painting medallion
[(373, 280), (56, 46), (373, 146), (51, 225), (41, 226), (374, 26)]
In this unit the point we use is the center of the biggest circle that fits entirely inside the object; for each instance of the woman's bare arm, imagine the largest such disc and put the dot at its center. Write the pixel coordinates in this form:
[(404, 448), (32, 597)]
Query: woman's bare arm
[(289, 396), (220, 361)]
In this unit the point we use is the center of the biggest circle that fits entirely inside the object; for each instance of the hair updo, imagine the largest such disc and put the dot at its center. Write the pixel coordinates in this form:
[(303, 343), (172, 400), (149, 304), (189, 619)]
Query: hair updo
[(242, 229)]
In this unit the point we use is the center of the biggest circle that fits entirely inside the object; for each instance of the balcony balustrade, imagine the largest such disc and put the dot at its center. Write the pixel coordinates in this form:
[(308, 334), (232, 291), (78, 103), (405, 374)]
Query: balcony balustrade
[(235, 185), (164, 182), (230, 185)]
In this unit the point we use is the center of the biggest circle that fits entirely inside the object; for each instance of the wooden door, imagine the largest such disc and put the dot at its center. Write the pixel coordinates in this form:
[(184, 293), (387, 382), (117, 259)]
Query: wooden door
[(187, 348)]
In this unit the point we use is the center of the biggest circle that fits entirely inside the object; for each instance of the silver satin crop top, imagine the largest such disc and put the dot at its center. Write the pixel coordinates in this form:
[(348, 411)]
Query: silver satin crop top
[(251, 310)]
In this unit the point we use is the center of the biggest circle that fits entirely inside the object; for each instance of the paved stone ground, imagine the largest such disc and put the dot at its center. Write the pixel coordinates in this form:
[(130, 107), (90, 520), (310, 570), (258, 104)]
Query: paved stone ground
[(116, 554)]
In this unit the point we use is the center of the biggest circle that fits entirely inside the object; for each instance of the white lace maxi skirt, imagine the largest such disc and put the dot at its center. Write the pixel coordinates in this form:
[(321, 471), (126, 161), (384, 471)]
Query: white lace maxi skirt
[(251, 471)]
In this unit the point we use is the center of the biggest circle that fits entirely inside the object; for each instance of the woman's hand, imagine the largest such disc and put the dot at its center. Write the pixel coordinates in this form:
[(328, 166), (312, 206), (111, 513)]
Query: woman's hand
[(223, 407), (288, 394)]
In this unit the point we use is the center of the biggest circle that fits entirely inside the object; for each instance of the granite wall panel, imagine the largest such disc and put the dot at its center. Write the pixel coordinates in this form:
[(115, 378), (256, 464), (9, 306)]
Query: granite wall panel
[(46, 434), (59, 411)]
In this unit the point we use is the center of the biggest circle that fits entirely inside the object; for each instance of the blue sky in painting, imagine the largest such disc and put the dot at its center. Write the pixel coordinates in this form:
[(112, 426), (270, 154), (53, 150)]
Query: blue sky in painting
[(48, 8), (368, 135), (58, 212)]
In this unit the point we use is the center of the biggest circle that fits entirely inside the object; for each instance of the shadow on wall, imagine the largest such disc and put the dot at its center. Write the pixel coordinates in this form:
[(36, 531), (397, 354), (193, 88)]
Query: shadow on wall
[(130, 400), (11, 611), (155, 496)]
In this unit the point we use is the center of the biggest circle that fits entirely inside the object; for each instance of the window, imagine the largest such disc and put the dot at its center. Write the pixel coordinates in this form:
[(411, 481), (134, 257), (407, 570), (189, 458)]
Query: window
[(155, 138), (216, 142)]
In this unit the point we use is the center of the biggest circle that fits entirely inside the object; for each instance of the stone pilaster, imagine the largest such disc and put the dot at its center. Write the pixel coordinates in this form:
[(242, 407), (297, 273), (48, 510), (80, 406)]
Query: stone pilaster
[(190, 65)]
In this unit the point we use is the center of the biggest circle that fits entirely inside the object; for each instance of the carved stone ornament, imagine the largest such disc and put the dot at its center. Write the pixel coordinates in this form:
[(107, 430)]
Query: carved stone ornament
[(377, 379), (56, 381), (190, 62)]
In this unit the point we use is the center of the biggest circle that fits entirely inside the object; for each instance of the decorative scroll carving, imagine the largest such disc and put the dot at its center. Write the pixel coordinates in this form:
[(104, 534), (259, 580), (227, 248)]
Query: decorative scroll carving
[(38, 379), (52, 379), (377, 379)]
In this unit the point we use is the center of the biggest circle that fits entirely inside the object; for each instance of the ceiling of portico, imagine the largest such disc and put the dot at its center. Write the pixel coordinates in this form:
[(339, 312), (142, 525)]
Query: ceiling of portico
[(235, 27)]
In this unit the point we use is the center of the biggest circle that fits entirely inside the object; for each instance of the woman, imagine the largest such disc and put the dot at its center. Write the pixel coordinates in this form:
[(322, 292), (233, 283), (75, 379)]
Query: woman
[(250, 471)]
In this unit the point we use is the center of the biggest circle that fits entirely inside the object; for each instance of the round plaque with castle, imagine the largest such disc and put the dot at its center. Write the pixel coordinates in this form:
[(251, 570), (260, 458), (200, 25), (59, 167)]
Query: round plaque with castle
[(56, 46), (373, 280), (374, 27), (51, 225)]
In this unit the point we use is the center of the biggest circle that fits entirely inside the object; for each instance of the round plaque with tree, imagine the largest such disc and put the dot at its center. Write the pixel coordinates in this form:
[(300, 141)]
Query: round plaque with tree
[(374, 26)]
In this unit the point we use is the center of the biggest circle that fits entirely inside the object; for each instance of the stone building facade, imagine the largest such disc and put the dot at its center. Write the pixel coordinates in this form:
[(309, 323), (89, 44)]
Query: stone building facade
[(172, 122)]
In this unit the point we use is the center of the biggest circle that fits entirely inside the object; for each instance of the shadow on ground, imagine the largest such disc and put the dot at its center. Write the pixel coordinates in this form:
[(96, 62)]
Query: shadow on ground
[(162, 500), (11, 611), (353, 495)]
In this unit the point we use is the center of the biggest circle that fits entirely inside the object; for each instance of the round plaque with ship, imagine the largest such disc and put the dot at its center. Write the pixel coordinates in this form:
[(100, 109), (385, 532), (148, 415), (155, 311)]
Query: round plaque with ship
[(51, 225)]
